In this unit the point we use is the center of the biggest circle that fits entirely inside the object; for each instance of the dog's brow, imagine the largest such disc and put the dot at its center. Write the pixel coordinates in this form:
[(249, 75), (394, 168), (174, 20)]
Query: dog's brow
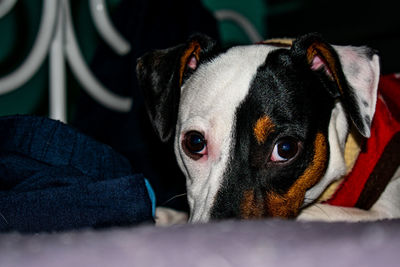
[(262, 128)]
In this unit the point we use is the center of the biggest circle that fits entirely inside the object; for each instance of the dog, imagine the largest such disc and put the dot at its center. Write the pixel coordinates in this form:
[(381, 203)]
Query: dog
[(261, 130)]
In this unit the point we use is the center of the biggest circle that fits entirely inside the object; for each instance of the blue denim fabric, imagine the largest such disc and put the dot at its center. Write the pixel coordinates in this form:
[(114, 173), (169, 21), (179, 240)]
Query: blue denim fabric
[(54, 178)]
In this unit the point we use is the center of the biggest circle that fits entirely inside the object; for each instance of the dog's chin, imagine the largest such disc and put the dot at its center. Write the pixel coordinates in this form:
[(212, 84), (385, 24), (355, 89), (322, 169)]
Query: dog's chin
[(337, 135), (199, 217)]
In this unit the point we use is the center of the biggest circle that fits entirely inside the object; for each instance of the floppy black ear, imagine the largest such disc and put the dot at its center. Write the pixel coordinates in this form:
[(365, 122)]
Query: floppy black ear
[(353, 70), (161, 74)]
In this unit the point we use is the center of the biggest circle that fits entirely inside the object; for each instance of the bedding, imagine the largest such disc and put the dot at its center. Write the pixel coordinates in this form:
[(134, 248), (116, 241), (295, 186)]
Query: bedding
[(219, 244)]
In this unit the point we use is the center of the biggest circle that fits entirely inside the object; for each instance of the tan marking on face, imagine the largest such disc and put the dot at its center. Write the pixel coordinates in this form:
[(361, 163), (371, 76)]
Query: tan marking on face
[(288, 205), (262, 128), (322, 50), (193, 49), (250, 208)]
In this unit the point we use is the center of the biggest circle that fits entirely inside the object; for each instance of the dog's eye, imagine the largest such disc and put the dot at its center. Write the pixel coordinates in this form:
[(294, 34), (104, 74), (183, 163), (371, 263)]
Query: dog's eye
[(285, 149), (194, 144)]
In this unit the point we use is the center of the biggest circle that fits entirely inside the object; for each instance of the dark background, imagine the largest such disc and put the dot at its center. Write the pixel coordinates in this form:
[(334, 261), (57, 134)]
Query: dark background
[(367, 22)]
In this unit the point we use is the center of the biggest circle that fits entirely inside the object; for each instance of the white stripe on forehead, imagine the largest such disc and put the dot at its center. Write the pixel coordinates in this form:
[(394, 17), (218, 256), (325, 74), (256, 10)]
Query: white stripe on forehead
[(225, 79), (209, 100)]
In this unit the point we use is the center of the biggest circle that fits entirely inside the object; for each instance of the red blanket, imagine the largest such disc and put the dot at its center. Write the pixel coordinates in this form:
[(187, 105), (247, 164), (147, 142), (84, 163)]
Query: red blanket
[(379, 156)]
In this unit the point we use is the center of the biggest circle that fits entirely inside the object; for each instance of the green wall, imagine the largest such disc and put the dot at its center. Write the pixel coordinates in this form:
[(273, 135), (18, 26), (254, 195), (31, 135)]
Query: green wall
[(18, 29)]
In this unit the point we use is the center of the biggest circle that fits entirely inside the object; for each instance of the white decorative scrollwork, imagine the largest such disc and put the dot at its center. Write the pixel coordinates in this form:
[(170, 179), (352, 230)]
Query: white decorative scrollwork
[(56, 37)]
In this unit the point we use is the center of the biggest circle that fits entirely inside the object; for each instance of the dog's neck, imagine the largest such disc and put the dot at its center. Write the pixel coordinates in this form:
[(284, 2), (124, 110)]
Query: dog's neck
[(338, 131), (351, 152)]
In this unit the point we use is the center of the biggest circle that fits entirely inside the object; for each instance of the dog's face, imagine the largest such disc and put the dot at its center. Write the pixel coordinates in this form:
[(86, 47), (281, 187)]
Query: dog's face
[(258, 130)]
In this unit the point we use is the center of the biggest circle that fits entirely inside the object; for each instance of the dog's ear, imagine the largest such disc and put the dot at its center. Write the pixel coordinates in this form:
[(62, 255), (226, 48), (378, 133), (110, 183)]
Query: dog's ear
[(354, 72), (161, 74)]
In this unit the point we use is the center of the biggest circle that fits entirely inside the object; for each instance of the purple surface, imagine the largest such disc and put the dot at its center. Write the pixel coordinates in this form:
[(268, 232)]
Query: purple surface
[(228, 243)]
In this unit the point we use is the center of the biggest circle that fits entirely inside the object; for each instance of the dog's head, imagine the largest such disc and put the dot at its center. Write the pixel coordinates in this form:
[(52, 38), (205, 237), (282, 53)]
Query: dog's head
[(258, 130)]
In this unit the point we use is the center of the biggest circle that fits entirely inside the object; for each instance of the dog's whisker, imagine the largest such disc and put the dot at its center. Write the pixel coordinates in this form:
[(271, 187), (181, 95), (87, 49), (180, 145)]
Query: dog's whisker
[(4, 218), (347, 211), (309, 201), (327, 214), (174, 197)]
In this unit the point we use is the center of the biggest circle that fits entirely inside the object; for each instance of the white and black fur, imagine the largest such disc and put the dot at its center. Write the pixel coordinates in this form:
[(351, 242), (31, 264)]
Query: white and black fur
[(208, 101)]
